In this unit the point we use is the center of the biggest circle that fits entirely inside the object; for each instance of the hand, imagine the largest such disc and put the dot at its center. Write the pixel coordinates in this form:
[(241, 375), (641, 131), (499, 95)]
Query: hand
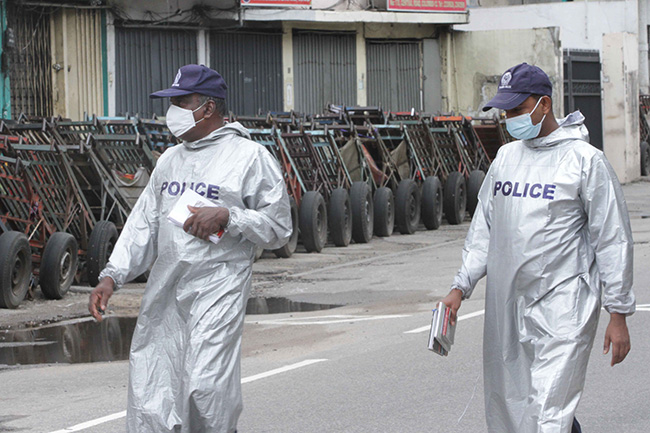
[(453, 301), (618, 336), (99, 297), (206, 221)]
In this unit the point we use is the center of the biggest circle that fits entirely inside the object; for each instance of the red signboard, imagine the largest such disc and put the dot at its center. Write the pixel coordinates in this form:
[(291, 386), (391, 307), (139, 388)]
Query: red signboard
[(276, 3), (428, 5)]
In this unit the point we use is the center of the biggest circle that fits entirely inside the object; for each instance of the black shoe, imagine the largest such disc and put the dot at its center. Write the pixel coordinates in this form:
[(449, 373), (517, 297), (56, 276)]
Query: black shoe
[(576, 426)]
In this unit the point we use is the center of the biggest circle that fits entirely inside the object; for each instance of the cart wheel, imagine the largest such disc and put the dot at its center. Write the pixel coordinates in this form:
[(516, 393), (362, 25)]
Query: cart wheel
[(363, 212), (58, 265), (645, 159), (290, 247), (340, 217), (474, 183), (432, 203), (100, 246), (313, 221), (384, 212), (455, 198), (15, 268), (407, 207)]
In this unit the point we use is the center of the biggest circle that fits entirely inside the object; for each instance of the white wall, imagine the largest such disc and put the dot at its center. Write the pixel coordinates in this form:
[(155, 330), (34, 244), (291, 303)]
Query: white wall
[(582, 23), (621, 104)]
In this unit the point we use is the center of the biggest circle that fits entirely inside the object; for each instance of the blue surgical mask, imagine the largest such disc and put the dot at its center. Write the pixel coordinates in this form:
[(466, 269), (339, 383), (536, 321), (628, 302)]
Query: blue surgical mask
[(522, 128)]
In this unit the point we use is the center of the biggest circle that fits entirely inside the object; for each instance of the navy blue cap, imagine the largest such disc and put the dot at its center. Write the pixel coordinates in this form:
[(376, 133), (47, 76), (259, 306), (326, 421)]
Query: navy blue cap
[(195, 79), (517, 84)]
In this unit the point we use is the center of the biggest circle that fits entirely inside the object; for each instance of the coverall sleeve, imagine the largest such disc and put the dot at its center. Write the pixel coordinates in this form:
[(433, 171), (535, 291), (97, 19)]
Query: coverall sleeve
[(266, 220), (137, 247), (475, 251), (610, 234)]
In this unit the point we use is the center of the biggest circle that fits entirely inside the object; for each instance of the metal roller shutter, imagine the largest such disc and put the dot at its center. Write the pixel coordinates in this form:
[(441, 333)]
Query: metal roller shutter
[(147, 60), (324, 70), (395, 74), (251, 64)]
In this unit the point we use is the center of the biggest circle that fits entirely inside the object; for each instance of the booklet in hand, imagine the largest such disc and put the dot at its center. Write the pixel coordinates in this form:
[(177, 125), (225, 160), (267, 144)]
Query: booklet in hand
[(180, 213), (441, 336)]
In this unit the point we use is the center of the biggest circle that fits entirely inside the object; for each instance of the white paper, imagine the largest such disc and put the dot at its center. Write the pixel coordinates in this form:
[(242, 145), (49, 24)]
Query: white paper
[(180, 213)]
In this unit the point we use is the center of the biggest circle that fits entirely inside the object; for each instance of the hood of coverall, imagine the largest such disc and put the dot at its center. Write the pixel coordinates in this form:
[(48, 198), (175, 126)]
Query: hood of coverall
[(570, 127), (215, 136)]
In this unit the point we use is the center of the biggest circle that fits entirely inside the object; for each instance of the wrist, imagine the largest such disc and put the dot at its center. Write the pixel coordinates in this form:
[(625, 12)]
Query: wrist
[(617, 317)]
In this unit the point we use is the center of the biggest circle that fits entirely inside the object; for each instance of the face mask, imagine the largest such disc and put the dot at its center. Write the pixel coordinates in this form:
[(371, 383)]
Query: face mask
[(180, 120), (522, 128)]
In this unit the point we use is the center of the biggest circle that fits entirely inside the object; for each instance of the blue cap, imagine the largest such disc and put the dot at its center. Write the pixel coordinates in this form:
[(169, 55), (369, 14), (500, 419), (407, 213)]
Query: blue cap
[(195, 79), (517, 84)]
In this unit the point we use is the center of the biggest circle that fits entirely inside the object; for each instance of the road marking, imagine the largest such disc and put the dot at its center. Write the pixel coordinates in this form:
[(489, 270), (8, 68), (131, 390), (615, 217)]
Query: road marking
[(466, 316), (318, 320), (93, 423), (642, 308), (374, 259), (281, 370), (118, 415), (644, 305)]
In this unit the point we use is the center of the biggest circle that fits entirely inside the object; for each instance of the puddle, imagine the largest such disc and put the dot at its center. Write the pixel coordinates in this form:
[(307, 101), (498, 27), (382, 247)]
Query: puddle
[(74, 341), (282, 305), (84, 340)]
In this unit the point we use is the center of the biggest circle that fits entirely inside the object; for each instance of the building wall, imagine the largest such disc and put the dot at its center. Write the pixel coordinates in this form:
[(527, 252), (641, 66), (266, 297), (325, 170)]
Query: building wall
[(472, 64), (582, 23)]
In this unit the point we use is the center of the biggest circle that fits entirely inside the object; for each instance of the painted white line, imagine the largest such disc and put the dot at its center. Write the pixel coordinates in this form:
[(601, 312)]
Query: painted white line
[(118, 415), (642, 308), (281, 370), (643, 305), (466, 316), (328, 320), (93, 423)]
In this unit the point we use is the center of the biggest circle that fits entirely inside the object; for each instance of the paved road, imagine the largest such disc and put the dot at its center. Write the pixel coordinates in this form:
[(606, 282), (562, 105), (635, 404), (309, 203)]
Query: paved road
[(357, 368)]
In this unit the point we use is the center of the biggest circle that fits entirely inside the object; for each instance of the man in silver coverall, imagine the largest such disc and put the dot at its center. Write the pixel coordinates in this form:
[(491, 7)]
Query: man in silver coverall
[(184, 373), (553, 236)]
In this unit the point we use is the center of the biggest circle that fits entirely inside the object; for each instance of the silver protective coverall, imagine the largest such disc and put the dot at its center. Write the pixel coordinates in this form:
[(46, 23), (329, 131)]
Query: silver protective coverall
[(185, 353), (551, 232)]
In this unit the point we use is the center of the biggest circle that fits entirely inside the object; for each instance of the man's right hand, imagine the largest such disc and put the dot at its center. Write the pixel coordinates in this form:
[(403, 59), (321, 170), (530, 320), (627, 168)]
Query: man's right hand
[(453, 301), (99, 297)]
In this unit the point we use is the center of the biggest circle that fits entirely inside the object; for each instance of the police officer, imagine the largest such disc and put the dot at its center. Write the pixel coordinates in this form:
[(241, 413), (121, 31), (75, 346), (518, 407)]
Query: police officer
[(552, 234)]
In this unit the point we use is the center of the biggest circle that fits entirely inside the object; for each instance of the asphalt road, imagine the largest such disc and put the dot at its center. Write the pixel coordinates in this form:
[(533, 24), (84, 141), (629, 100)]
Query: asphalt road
[(363, 367)]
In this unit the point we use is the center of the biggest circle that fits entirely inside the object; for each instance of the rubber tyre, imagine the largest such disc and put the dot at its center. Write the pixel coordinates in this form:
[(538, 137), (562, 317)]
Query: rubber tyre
[(432, 203), (645, 159), (100, 246), (58, 265), (289, 248), (313, 221), (363, 212), (15, 268), (384, 212), (455, 198), (340, 217), (474, 183), (407, 206)]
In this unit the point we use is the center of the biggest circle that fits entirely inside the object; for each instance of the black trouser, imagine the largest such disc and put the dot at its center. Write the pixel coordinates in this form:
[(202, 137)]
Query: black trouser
[(576, 426)]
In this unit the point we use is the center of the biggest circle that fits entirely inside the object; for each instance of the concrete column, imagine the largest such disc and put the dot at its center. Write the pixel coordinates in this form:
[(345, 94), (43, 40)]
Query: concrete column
[(362, 68), (203, 48), (287, 67), (621, 104), (644, 67), (110, 56), (432, 76)]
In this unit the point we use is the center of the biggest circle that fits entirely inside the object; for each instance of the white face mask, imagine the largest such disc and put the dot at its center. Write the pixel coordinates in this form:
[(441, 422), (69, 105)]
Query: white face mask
[(180, 120)]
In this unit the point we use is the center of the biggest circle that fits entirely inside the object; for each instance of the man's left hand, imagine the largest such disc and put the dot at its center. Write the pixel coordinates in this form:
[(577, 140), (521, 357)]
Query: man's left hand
[(206, 221), (618, 337)]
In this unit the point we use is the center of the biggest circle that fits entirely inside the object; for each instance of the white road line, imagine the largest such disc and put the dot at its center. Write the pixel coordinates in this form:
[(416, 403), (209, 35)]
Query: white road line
[(281, 370), (118, 415), (318, 320), (642, 308), (466, 316), (93, 423)]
